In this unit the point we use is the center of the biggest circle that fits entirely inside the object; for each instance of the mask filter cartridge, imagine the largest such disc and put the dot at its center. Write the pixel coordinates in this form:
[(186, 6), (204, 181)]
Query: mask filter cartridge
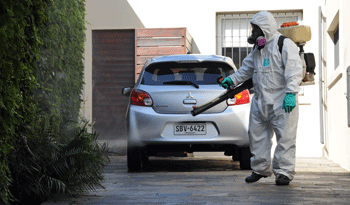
[(261, 41)]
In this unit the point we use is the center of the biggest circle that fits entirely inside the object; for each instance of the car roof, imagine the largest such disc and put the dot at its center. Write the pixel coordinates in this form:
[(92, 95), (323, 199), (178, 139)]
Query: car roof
[(189, 58)]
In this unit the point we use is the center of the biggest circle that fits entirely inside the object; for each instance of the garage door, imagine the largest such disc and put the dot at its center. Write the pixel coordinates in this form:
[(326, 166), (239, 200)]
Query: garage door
[(113, 67)]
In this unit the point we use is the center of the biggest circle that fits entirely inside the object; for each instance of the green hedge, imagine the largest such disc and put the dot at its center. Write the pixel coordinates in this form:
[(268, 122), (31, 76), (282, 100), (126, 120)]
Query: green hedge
[(21, 23), (60, 65), (41, 80)]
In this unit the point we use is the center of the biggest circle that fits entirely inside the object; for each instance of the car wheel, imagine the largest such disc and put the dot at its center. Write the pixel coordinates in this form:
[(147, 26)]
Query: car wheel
[(135, 158), (244, 159)]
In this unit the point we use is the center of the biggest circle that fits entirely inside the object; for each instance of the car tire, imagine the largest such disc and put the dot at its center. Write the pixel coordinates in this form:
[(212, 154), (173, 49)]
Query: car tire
[(135, 158), (244, 159)]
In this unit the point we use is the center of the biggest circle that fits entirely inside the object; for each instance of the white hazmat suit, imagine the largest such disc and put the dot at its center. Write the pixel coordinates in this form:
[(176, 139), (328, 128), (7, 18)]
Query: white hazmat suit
[(274, 74)]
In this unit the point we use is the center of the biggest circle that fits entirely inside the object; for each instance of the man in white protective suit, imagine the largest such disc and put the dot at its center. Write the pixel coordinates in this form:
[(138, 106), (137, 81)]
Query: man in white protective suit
[(274, 109)]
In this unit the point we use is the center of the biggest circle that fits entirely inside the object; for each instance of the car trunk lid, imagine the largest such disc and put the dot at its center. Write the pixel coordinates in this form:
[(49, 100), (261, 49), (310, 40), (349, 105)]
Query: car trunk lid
[(180, 99)]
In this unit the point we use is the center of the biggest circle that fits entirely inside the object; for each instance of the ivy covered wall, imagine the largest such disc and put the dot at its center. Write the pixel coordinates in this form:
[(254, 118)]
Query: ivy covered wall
[(41, 73), (60, 66), (20, 30)]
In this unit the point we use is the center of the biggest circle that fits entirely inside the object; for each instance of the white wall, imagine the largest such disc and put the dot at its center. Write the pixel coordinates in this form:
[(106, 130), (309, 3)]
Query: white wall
[(199, 17), (338, 132)]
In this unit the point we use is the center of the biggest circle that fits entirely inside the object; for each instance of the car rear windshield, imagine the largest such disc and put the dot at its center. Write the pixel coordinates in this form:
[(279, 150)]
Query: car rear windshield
[(204, 73)]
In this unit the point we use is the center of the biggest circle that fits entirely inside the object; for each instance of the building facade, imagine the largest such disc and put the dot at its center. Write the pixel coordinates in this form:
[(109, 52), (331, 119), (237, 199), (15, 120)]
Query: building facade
[(335, 79)]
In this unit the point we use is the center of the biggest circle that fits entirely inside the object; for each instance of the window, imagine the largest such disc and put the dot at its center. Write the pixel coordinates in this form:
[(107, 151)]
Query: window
[(336, 48), (233, 29), (168, 73)]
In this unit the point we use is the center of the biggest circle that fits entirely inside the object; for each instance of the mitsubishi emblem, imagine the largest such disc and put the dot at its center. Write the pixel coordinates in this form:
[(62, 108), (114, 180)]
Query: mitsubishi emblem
[(189, 95)]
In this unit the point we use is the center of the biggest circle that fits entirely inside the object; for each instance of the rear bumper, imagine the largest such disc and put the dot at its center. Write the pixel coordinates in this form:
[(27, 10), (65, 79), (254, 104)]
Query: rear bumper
[(146, 127)]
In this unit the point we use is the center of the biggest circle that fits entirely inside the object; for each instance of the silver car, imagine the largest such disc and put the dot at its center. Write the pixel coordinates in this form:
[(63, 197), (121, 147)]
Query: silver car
[(159, 116)]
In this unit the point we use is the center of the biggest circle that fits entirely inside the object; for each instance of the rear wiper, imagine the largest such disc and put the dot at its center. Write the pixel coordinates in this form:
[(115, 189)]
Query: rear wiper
[(181, 82)]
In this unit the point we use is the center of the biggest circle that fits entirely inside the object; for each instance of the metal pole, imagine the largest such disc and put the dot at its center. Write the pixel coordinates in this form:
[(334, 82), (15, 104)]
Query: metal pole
[(320, 66), (232, 38), (348, 93), (239, 42), (224, 35)]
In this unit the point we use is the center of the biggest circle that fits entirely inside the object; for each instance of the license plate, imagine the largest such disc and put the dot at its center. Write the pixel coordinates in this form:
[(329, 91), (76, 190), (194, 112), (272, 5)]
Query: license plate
[(190, 129)]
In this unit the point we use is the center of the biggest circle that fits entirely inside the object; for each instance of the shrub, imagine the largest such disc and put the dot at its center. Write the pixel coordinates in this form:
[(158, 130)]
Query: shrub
[(45, 166)]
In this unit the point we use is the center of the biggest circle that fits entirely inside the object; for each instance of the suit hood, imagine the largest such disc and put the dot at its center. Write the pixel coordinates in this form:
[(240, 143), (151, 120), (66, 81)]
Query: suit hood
[(266, 22)]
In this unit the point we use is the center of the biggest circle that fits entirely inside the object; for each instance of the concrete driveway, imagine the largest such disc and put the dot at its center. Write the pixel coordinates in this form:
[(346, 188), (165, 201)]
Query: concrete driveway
[(215, 180)]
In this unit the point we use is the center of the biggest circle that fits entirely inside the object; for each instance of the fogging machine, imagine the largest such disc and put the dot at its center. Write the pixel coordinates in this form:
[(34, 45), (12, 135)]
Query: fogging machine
[(230, 93)]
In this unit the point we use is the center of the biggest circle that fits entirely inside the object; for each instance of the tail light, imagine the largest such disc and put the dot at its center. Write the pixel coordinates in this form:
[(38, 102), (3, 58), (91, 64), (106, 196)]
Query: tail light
[(239, 99), (141, 98)]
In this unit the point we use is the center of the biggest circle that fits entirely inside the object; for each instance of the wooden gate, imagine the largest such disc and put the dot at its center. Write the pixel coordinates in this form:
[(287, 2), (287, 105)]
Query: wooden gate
[(113, 65)]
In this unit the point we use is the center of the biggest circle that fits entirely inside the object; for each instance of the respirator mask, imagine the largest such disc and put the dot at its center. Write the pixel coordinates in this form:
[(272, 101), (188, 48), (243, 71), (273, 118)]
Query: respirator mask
[(257, 37)]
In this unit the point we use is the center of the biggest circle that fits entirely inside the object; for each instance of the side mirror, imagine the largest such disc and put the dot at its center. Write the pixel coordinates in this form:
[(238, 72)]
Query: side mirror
[(126, 91)]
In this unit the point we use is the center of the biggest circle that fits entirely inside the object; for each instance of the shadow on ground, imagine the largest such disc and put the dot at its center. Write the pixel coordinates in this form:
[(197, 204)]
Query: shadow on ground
[(180, 164)]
